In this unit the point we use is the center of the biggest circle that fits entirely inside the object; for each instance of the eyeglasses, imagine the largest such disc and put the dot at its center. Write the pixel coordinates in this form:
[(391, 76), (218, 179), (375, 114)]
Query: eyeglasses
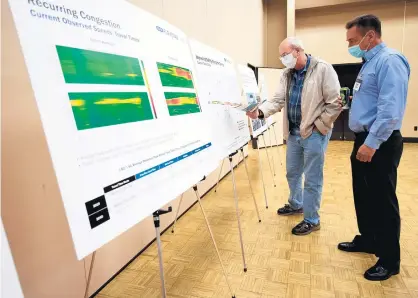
[(285, 54)]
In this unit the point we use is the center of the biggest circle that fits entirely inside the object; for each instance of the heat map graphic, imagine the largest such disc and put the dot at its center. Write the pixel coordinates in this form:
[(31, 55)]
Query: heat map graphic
[(180, 103), (89, 67), (99, 109), (149, 89), (175, 76)]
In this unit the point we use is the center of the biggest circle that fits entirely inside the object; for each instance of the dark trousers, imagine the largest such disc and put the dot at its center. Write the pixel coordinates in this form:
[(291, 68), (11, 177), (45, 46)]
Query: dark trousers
[(374, 190)]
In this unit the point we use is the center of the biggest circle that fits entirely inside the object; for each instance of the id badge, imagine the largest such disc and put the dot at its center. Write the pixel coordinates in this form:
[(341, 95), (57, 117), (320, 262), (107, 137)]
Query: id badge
[(358, 82)]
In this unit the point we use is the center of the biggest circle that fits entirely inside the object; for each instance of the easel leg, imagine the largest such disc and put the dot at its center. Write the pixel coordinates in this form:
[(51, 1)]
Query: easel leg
[(268, 158), (219, 176), (177, 213), (278, 147), (237, 211), (86, 292), (261, 173), (272, 155), (160, 259), (249, 182), (213, 239), (156, 217)]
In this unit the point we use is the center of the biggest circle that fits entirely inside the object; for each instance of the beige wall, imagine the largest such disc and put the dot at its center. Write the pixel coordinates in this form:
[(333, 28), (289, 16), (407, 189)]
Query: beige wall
[(290, 21), (225, 25), (32, 210), (323, 33), (411, 52), (323, 30), (275, 22), (303, 4)]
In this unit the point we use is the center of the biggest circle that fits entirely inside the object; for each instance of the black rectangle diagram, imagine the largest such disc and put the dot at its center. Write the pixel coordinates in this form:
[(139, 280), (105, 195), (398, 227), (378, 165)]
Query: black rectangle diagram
[(99, 217), (96, 205), (119, 184)]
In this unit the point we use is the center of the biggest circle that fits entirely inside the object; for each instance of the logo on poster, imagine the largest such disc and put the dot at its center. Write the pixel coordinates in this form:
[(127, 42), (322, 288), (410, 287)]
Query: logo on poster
[(168, 33)]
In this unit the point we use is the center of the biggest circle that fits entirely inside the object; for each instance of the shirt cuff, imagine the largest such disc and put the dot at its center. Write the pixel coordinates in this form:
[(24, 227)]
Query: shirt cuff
[(372, 142)]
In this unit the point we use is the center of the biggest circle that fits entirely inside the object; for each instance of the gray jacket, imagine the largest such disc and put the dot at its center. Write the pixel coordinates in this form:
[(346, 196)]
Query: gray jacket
[(319, 107)]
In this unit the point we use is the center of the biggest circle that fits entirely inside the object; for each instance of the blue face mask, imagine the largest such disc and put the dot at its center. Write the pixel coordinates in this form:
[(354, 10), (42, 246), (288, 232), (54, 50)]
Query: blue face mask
[(355, 51)]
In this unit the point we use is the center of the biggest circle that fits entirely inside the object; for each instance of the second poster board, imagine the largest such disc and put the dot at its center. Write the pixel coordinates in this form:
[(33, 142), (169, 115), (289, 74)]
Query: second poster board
[(218, 83)]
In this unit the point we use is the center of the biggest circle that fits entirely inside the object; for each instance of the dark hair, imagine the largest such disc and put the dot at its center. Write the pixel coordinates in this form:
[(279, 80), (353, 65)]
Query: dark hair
[(365, 23)]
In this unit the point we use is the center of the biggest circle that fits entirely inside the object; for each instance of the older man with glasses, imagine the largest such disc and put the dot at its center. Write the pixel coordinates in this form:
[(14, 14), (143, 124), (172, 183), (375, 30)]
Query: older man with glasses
[(309, 93)]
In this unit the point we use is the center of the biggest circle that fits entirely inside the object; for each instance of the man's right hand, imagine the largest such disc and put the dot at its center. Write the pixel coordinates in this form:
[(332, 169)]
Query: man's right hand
[(253, 114)]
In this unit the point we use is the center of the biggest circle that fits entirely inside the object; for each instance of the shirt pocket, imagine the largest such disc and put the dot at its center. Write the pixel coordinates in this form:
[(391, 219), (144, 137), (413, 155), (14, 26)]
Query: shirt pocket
[(309, 85), (312, 91), (369, 84)]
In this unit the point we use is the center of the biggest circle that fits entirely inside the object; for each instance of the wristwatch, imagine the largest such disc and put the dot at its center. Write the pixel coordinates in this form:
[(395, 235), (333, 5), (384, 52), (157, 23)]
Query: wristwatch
[(260, 114)]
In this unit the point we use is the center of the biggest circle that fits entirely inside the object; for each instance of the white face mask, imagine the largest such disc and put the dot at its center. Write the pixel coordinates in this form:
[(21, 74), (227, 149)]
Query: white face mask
[(289, 61)]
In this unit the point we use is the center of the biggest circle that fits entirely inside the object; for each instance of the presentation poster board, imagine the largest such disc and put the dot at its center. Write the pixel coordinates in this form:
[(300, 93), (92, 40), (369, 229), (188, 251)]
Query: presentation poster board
[(250, 91), (115, 89), (218, 84)]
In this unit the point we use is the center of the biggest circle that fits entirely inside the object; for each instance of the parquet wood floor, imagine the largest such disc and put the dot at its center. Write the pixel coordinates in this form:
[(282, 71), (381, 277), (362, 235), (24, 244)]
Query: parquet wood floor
[(279, 264)]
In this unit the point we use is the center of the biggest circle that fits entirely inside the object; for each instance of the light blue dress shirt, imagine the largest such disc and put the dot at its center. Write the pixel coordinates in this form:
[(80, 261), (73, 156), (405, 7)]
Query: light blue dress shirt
[(379, 105)]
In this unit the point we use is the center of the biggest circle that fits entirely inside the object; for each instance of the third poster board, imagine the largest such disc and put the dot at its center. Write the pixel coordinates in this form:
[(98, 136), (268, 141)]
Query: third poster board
[(251, 93)]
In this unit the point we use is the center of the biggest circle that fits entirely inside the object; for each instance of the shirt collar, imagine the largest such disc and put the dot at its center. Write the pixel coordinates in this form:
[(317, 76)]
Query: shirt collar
[(305, 69), (370, 54)]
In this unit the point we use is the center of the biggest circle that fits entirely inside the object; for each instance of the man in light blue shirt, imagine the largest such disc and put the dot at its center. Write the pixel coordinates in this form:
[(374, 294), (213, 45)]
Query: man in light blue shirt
[(377, 110)]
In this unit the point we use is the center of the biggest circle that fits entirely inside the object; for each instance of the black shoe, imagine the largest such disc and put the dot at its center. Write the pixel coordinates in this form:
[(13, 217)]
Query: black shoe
[(379, 272), (354, 246), (305, 228), (288, 210)]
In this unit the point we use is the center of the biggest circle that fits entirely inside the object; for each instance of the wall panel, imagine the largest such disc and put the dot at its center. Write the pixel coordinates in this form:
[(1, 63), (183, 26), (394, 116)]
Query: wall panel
[(235, 27), (411, 52), (276, 30), (303, 4), (153, 6), (190, 16), (323, 30), (323, 33)]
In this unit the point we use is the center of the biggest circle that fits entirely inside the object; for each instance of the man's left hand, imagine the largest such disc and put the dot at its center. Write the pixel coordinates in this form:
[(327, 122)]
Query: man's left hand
[(317, 130), (365, 153)]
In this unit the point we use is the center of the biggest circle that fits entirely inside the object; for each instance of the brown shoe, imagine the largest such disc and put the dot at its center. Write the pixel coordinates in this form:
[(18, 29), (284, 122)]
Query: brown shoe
[(305, 228), (288, 210)]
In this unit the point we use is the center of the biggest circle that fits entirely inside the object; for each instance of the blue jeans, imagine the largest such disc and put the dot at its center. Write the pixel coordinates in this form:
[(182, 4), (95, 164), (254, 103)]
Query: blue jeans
[(306, 156)]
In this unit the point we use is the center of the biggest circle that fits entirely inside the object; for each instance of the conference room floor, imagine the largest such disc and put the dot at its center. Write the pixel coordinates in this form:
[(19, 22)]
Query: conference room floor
[(279, 264)]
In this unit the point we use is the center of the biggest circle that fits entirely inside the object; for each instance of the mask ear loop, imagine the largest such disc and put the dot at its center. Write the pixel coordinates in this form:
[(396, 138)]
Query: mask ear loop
[(368, 46)]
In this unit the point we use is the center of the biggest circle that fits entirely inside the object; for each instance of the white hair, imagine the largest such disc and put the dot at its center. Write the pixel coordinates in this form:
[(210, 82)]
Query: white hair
[(295, 43)]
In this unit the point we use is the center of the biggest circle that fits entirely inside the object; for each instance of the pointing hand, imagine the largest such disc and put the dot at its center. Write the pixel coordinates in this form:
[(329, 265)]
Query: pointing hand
[(253, 114)]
